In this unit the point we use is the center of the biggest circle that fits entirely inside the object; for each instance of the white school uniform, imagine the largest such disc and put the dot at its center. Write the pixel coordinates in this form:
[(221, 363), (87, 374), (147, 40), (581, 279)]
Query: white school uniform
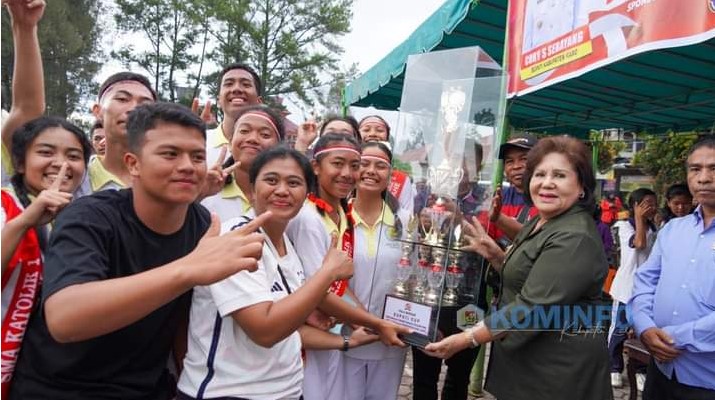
[(631, 259), (374, 371), (222, 360), (311, 232)]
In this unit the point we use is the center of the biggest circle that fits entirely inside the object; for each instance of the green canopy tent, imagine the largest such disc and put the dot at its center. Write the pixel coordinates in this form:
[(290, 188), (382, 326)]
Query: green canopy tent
[(655, 91)]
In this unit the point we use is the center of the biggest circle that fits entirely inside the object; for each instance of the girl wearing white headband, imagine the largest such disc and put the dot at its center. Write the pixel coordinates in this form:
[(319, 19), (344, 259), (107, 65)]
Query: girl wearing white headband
[(374, 128), (336, 164)]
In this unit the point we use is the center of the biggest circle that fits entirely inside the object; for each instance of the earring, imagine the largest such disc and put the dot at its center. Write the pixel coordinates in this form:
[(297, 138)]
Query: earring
[(582, 195)]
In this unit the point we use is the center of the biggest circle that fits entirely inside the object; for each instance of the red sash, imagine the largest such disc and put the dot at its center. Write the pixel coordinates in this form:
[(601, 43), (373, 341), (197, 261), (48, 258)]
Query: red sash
[(348, 239), (23, 301), (397, 183)]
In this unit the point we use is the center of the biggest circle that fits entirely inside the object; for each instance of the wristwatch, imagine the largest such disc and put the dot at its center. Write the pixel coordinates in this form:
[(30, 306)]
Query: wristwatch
[(346, 343), (470, 334)]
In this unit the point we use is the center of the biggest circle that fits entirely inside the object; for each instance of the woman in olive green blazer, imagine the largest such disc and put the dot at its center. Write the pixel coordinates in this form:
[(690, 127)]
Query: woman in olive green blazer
[(553, 272)]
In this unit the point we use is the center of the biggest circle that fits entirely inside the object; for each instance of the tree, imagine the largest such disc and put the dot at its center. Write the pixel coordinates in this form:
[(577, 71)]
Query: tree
[(172, 31), (664, 157), (608, 150), (331, 98), (69, 40), (291, 43)]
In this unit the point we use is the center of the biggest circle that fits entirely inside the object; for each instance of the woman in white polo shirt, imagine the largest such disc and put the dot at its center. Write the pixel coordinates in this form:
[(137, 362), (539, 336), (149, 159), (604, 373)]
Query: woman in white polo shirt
[(257, 128), (374, 371), (244, 339)]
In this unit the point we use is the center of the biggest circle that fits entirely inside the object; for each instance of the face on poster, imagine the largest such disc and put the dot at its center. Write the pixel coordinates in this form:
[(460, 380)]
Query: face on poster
[(554, 40)]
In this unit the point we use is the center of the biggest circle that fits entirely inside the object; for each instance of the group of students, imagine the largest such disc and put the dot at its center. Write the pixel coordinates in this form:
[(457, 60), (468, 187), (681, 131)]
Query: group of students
[(111, 264), (223, 264), (119, 266)]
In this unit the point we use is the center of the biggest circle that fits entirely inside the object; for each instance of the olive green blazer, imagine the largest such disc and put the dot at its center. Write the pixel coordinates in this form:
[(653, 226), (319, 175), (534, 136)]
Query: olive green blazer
[(559, 268)]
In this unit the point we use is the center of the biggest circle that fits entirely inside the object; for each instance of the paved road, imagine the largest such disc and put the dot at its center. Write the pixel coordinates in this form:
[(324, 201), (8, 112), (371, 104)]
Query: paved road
[(405, 392)]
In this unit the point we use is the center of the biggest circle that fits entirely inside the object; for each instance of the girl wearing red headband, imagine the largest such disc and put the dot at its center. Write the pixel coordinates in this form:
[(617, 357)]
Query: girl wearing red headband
[(257, 128)]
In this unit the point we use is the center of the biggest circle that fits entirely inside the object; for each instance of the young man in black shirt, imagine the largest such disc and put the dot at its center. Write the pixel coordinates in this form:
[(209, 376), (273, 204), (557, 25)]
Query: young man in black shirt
[(120, 266)]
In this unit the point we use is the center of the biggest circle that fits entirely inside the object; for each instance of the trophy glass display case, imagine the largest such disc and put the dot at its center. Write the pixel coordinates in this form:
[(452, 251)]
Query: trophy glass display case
[(445, 140)]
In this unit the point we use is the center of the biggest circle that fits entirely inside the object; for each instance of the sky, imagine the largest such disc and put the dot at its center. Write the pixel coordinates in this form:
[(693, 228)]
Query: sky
[(377, 27)]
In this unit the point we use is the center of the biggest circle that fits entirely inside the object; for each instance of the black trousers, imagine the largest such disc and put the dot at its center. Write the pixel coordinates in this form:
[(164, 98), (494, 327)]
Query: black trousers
[(426, 375), (660, 387)]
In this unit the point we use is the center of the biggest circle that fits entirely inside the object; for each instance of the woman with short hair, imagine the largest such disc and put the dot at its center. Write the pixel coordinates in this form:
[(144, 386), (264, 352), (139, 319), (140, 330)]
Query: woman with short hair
[(556, 265)]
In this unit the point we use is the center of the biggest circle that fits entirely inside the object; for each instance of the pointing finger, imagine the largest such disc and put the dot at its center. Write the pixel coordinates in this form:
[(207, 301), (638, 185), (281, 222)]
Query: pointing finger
[(255, 224)]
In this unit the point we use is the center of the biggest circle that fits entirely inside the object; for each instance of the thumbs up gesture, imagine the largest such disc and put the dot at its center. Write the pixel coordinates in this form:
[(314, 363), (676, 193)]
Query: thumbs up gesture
[(337, 262), (217, 257)]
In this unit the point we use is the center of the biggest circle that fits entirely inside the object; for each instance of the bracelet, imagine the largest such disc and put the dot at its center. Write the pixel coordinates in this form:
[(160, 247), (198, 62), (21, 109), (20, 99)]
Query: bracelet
[(346, 343), (470, 334)]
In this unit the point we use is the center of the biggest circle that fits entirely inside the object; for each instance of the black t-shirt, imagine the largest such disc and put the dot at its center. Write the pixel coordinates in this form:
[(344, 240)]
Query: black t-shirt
[(100, 237)]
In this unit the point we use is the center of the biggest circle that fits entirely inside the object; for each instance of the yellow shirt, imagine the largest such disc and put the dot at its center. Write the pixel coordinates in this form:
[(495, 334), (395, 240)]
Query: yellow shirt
[(372, 232), (100, 178), (215, 140)]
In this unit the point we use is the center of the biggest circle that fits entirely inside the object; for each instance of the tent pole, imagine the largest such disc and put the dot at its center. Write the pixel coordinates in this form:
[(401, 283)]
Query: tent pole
[(344, 106), (502, 132)]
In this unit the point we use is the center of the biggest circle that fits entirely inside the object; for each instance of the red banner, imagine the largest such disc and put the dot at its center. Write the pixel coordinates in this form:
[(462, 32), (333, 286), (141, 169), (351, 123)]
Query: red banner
[(554, 40)]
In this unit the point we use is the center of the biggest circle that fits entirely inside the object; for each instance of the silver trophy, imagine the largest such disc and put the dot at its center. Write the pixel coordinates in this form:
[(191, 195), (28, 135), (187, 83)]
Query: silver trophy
[(420, 273), (404, 266), (455, 275), (435, 276)]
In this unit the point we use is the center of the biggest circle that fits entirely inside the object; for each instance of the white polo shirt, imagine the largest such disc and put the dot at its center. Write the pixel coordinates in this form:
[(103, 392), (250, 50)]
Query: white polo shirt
[(631, 259), (222, 361), (229, 203), (377, 253), (311, 233)]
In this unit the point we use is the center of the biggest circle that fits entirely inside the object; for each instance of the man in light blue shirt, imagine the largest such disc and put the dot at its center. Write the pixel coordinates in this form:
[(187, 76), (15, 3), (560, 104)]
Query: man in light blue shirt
[(673, 303)]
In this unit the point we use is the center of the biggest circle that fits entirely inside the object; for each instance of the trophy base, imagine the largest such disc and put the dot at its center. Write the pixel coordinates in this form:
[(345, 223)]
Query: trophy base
[(450, 298), (432, 298), (400, 290), (418, 294)]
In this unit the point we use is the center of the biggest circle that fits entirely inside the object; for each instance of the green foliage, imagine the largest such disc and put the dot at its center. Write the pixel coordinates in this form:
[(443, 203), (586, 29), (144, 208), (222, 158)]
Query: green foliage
[(289, 42), (607, 150), (171, 27), (664, 157), (331, 99), (292, 44), (402, 166), (69, 42)]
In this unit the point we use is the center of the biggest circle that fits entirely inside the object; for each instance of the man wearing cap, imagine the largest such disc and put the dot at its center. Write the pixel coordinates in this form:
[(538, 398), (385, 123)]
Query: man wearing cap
[(118, 95), (509, 211), (240, 86)]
